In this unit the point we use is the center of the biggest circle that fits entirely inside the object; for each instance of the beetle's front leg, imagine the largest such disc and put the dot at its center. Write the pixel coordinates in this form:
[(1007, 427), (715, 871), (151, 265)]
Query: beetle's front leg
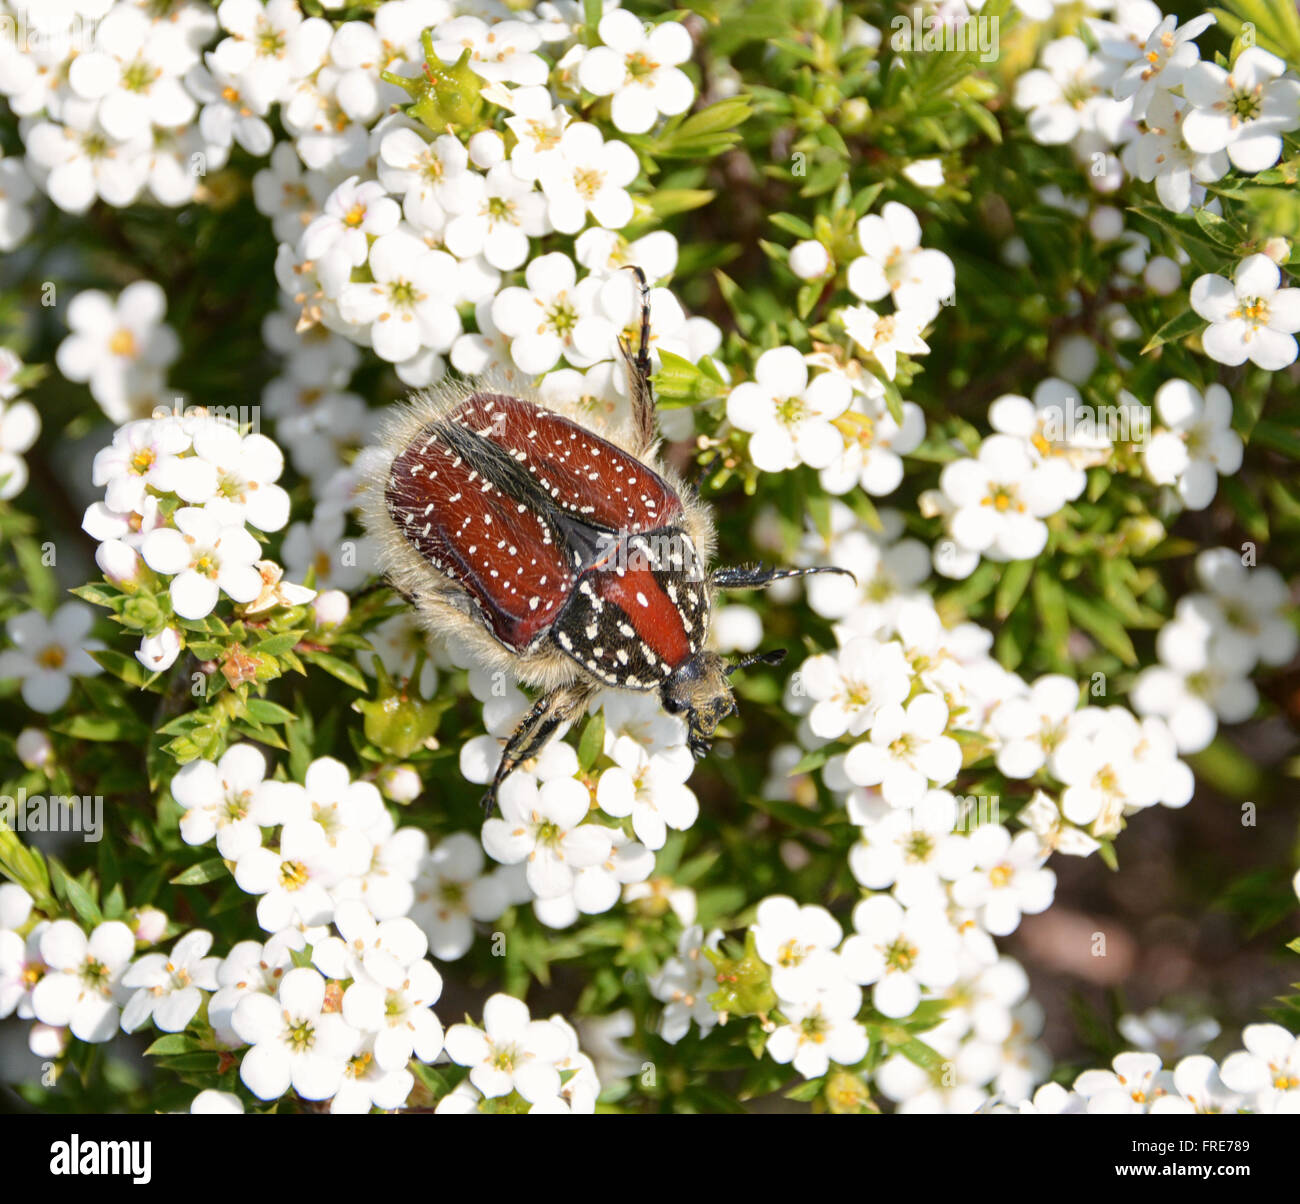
[(535, 729)]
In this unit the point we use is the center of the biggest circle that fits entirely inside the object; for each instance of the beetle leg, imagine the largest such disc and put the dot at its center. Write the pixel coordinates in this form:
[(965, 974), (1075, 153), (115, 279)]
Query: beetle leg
[(758, 576), (535, 730), (638, 374)]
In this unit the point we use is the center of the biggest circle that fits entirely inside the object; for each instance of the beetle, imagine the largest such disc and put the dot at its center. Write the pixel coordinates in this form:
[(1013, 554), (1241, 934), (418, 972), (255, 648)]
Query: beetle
[(559, 548)]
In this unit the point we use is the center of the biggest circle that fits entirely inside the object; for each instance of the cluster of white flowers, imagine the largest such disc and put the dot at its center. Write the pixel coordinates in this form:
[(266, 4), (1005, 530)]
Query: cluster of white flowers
[(1262, 1078), (104, 94), (994, 503), (564, 860), (224, 482), (1145, 104), (336, 883), (839, 422), (1215, 640)]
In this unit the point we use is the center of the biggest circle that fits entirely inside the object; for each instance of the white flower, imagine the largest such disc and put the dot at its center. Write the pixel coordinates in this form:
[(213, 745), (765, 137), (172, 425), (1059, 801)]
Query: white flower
[(271, 46), (554, 314), (78, 161), (1064, 95), (231, 113), (338, 562), (913, 851), (1268, 1070), (129, 73), (590, 176), (1251, 316), (16, 190), (1165, 58), (451, 892), (1010, 880), (821, 1030), (1136, 1082), (1200, 444), (169, 987), (499, 221), (48, 653), (19, 426), (501, 52), (399, 1011), (790, 419), (1031, 726), (510, 1052), (205, 557), (1244, 111), (652, 790), (406, 308), (157, 652), (211, 1102), (433, 178), (83, 985), (1167, 1034), (1253, 605), (144, 455), (294, 1042), (1058, 433), (900, 952), (886, 336), (225, 800), (875, 443), (638, 68), (906, 750), (120, 348), (294, 881), (850, 687), (542, 826), (895, 264), (249, 967), (684, 984), (1162, 154), (239, 469), (798, 943), (1000, 498), (366, 1084), (353, 215)]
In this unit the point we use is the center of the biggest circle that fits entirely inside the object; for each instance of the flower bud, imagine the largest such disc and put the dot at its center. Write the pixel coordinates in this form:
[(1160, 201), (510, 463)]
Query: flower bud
[(118, 561), (809, 260), (331, 608), (149, 924), (1278, 249), (34, 747), (400, 783), (159, 652)]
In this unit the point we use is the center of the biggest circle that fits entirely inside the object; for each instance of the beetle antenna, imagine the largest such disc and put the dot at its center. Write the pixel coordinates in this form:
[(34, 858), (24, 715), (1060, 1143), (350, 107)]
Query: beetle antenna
[(773, 656)]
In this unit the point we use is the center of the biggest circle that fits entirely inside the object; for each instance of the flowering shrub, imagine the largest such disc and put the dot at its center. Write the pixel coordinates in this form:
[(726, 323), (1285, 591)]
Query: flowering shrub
[(994, 309)]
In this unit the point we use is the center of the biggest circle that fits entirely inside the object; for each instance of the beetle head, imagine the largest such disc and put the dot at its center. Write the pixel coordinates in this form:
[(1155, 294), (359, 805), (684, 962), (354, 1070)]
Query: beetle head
[(699, 691)]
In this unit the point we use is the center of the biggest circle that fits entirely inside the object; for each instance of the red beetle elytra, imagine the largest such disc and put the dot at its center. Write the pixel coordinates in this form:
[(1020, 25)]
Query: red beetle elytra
[(558, 550)]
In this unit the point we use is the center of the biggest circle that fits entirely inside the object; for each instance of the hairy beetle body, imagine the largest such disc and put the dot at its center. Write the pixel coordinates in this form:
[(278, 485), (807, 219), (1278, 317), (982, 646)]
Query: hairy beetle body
[(556, 547)]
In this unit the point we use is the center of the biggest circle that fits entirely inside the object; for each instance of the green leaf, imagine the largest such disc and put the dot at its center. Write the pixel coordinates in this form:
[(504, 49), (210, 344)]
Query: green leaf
[(105, 728), (263, 710), (592, 743), (1175, 330), (172, 1043), (345, 671), (1015, 577), (202, 872), (1099, 621)]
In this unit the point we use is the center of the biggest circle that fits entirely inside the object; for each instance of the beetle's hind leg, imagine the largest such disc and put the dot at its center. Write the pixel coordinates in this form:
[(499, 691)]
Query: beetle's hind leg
[(535, 730), (758, 576), (644, 428)]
